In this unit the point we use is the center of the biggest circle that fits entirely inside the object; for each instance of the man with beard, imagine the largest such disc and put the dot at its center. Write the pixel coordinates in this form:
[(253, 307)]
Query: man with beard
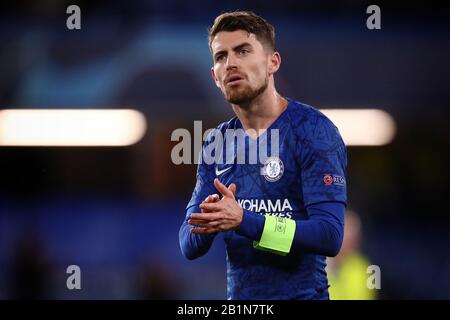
[(281, 216)]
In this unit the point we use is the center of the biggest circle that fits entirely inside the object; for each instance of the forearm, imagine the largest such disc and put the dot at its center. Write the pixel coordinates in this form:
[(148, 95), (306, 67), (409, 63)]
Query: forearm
[(193, 245), (321, 234)]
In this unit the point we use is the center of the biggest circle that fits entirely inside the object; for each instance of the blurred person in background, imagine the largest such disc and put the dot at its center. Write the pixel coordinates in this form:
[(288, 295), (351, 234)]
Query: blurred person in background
[(347, 272), (279, 217)]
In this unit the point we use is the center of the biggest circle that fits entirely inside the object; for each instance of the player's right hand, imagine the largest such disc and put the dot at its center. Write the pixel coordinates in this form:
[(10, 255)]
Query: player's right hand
[(211, 199), (223, 215)]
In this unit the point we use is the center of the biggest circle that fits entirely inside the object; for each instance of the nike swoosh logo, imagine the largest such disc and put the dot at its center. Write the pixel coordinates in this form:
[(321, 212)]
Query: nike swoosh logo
[(219, 172)]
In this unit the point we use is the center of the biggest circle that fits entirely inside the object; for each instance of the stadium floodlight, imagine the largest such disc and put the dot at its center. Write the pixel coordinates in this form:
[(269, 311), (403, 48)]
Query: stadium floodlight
[(71, 127), (363, 127)]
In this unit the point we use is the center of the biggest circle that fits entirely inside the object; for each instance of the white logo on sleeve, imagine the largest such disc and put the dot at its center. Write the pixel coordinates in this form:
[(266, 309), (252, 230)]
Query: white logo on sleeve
[(219, 172), (273, 169)]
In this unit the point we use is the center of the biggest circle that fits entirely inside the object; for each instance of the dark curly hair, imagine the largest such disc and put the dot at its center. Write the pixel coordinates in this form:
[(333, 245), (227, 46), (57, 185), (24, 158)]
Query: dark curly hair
[(247, 21)]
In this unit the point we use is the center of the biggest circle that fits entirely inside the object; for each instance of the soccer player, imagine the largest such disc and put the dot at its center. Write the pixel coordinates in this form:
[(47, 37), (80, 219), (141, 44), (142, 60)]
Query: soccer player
[(281, 216)]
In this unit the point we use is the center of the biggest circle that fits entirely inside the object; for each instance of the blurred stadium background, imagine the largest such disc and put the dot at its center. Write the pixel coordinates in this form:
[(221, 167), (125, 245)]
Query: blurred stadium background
[(115, 211)]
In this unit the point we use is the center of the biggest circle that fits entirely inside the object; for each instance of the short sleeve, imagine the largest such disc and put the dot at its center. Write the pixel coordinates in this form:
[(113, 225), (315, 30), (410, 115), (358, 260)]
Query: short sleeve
[(323, 164)]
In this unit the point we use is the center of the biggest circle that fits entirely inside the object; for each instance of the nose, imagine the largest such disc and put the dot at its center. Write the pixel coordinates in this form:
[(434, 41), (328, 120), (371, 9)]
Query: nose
[(231, 62)]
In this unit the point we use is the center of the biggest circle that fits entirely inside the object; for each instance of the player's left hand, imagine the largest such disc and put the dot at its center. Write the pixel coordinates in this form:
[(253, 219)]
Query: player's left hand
[(222, 215)]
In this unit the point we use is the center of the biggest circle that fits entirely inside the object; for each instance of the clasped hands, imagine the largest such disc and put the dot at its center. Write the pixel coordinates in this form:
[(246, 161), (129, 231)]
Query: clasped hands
[(218, 214)]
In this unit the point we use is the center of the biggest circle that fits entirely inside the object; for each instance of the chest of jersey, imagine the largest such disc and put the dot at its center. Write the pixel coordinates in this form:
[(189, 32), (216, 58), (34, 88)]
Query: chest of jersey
[(272, 183)]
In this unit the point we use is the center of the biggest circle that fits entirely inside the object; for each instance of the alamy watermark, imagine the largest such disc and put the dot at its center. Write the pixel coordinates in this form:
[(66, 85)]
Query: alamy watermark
[(373, 22), (231, 146), (73, 21), (374, 280), (74, 280)]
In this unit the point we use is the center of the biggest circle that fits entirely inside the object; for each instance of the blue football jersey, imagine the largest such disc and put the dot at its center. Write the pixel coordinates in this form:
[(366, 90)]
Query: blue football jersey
[(306, 167)]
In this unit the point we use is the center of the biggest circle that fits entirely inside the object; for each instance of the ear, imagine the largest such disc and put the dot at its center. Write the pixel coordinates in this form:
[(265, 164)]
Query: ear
[(274, 62), (214, 77)]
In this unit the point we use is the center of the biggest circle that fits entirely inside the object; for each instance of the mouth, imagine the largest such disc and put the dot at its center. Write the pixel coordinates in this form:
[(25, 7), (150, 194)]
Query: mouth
[(233, 79)]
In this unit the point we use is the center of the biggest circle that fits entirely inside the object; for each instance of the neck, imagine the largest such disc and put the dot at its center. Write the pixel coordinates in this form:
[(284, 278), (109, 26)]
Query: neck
[(261, 112)]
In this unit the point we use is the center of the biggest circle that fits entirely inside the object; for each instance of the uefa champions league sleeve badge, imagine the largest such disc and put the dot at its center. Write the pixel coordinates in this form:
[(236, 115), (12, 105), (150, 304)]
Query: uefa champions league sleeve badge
[(273, 169)]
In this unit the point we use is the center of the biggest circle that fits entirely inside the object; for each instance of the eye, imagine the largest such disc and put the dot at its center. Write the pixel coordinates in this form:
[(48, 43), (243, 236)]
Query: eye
[(220, 57), (244, 51)]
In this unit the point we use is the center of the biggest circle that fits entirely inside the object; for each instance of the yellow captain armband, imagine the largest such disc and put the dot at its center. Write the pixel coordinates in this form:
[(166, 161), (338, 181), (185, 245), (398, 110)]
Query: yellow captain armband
[(277, 235)]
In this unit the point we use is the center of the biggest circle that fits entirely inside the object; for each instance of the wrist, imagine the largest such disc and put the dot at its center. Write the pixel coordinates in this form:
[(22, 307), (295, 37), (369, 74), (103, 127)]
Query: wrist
[(252, 225)]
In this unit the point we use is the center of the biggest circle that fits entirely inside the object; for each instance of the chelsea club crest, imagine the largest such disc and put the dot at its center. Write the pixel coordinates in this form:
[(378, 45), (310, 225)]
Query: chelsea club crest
[(273, 169)]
